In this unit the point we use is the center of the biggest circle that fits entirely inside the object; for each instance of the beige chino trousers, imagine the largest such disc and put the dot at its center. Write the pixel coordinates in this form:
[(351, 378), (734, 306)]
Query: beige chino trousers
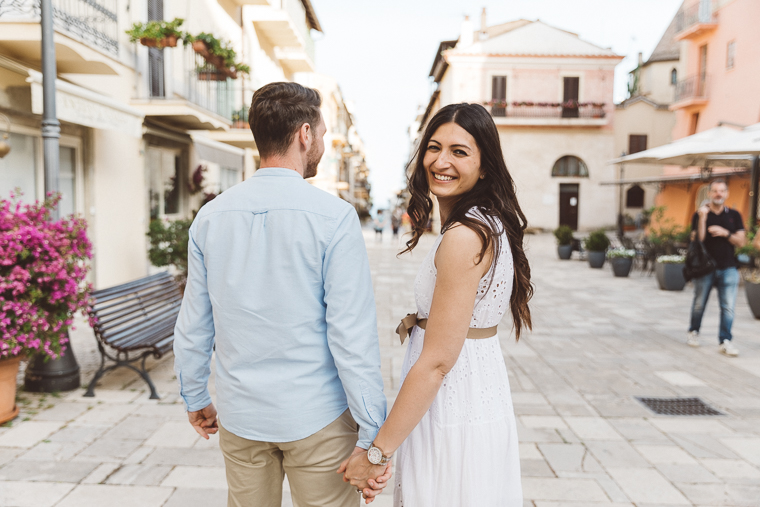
[(255, 470)]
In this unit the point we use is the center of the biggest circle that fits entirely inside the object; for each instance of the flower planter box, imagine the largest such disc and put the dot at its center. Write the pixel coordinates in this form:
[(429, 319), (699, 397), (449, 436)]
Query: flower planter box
[(565, 252), (596, 259), (200, 47), (670, 276), (8, 374), (166, 42), (621, 266), (753, 297), (205, 75), (240, 124)]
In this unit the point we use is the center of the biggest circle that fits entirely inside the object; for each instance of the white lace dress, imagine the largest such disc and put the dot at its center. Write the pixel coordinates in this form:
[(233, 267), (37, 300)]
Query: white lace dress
[(464, 451)]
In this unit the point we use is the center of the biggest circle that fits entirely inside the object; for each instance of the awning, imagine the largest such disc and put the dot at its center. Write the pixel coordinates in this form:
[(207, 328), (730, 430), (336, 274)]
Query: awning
[(677, 178), (218, 153)]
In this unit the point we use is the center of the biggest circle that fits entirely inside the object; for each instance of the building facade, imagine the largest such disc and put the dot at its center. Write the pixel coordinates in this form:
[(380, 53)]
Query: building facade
[(146, 133), (550, 95), (720, 62)]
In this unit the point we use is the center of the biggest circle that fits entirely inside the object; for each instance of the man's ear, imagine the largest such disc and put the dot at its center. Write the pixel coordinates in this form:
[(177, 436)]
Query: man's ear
[(305, 135)]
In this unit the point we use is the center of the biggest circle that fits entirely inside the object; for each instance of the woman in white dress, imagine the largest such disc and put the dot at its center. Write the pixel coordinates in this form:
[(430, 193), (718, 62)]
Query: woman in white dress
[(452, 427)]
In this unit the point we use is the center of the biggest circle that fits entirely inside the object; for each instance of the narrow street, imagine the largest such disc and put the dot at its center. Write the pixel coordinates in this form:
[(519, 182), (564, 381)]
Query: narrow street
[(598, 343)]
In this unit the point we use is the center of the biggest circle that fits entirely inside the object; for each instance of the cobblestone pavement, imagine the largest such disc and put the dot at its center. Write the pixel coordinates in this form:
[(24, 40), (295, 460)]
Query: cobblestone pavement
[(598, 343)]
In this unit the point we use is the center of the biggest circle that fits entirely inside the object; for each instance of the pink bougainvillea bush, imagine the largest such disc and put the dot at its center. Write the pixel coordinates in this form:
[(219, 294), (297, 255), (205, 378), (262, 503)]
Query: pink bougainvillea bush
[(42, 277)]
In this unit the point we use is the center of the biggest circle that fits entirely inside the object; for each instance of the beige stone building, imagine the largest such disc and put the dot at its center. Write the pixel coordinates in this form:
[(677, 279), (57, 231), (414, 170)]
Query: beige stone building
[(137, 122), (644, 121), (550, 95)]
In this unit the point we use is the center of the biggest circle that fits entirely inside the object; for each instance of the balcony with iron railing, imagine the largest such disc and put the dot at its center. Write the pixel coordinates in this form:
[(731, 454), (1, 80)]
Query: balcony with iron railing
[(194, 96), (548, 113), (690, 92), (695, 20), (90, 27)]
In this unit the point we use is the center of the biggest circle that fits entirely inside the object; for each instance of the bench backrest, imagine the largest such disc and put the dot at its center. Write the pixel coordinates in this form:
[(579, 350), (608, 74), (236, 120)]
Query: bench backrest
[(140, 311)]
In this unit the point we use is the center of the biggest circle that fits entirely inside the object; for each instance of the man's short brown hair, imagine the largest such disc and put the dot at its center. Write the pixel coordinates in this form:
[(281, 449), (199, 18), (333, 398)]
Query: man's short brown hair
[(278, 110), (717, 180)]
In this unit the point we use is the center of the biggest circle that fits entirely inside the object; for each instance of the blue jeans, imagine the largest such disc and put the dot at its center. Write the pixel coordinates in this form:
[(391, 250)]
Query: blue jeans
[(727, 283)]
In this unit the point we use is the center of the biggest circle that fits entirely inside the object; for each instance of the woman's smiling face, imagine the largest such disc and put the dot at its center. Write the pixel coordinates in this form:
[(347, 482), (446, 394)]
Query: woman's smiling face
[(451, 161)]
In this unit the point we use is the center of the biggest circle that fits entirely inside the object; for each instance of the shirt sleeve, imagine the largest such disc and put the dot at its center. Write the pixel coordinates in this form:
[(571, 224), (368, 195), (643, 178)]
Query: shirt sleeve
[(352, 326), (194, 333), (739, 221)]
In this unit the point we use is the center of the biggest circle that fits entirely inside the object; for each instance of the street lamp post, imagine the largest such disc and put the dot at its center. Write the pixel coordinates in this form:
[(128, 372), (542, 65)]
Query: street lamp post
[(60, 374), (621, 220)]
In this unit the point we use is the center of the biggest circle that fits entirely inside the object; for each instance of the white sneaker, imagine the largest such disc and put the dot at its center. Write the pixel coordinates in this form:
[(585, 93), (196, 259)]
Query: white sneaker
[(692, 339), (727, 349)]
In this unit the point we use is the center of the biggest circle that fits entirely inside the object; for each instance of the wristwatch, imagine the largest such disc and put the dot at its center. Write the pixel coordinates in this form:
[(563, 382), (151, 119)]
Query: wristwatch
[(376, 456)]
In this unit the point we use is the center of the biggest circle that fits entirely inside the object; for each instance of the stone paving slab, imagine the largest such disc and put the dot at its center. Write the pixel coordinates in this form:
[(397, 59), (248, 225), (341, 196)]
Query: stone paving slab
[(585, 441)]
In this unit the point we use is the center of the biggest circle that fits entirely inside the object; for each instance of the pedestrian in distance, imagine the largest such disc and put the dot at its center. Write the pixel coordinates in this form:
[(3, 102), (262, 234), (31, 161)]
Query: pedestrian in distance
[(279, 290), (379, 225), (396, 220), (452, 427), (721, 230)]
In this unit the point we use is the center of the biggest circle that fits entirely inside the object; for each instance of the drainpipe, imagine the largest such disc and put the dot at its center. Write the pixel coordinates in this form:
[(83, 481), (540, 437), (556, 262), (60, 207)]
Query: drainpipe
[(60, 374), (754, 189), (621, 220)]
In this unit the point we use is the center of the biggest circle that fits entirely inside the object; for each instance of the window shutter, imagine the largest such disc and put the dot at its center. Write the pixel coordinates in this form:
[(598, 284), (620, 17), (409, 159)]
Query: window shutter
[(636, 143)]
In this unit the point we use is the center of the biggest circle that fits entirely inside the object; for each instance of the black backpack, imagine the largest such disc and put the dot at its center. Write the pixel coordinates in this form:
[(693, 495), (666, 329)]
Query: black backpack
[(698, 262)]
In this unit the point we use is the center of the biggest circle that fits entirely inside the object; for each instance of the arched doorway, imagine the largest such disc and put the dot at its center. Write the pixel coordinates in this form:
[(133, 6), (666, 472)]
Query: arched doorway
[(569, 193)]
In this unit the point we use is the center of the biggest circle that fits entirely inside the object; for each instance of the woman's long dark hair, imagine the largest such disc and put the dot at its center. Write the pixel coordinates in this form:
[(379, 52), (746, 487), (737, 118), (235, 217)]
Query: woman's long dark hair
[(494, 196)]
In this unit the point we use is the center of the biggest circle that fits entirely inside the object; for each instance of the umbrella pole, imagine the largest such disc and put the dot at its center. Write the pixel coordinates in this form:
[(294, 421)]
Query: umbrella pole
[(753, 192)]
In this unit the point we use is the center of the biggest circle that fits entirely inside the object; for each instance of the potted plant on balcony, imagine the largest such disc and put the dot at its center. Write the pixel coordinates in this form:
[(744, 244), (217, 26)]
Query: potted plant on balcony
[(596, 245), (750, 272), (219, 54), (240, 118), (669, 271), (157, 34), (621, 260), (42, 284), (564, 235)]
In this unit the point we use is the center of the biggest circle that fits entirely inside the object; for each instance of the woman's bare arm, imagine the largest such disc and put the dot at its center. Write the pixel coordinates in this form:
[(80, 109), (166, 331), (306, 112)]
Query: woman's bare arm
[(456, 287)]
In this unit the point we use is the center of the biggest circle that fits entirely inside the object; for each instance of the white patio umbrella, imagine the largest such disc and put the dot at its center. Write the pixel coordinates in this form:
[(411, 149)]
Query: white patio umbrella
[(732, 150), (680, 152)]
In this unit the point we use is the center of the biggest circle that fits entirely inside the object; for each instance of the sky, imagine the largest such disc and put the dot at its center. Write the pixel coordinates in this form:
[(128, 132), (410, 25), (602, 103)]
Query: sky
[(381, 52)]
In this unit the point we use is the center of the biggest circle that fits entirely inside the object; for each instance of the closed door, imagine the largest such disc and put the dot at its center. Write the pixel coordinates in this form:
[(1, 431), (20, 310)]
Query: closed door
[(570, 96), (568, 205)]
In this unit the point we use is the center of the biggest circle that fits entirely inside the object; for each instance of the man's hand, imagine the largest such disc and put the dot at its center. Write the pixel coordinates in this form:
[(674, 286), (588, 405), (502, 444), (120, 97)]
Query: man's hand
[(372, 486), (703, 211), (718, 231), (204, 421)]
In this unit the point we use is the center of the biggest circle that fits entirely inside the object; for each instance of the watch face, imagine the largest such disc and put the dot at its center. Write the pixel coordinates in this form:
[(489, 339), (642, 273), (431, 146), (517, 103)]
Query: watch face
[(374, 455)]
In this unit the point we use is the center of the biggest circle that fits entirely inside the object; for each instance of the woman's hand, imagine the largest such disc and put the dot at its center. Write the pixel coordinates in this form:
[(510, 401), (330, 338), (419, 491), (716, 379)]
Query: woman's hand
[(370, 479)]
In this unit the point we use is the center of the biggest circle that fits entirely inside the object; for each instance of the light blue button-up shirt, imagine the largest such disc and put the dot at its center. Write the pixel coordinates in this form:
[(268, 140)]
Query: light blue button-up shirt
[(279, 281)]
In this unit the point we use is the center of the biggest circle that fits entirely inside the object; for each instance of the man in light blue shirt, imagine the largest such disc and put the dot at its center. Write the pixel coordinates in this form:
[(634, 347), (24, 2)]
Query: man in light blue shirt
[(279, 287)]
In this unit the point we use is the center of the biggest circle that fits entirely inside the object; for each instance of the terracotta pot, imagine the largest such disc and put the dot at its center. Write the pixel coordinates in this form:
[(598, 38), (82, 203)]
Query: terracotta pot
[(8, 374), (166, 42), (204, 75), (200, 47)]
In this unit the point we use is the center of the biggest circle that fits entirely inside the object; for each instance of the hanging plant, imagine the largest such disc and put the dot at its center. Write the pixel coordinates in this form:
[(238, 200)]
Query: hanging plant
[(158, 34), (219, 54)]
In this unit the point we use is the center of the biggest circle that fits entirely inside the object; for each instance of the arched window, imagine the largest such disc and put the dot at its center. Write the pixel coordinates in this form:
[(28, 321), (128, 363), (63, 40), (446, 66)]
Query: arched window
[(674, 77), (634, 197), (570, 166)]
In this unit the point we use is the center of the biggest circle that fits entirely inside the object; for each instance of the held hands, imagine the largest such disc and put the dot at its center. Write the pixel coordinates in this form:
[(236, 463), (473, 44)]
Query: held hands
[(204, 421), (718, 231), (362, 474)]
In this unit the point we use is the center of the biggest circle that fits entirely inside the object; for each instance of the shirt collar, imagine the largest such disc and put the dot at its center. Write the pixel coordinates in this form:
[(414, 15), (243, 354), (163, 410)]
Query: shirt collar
[(277, 171)]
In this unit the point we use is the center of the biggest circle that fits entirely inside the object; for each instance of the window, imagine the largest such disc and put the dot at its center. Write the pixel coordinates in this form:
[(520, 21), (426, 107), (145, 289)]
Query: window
[(730, 55), (67, 180), (637, 143), (570, 166), (694, 123), (18, 168), (570, 95), (498, 94), (165, 181), (229, 177), (674, 77), (634, 197)]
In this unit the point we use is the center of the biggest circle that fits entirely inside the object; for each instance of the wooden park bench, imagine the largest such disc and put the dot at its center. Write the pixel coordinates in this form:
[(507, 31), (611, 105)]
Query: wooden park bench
[(135, 320)]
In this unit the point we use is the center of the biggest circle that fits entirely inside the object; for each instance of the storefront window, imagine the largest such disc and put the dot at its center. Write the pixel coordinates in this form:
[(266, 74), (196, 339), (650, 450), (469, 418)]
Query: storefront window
[(67, 181), (18, 168)]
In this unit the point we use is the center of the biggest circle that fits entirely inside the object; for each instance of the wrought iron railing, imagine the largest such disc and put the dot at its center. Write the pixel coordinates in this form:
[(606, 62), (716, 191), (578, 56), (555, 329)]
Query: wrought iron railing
[(696, 14), (208, 88), (94, 22), (694, 87), (544, 110)]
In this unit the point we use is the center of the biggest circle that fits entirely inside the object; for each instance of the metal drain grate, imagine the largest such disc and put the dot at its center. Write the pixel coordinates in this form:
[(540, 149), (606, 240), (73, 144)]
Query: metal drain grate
[(679, 406)]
